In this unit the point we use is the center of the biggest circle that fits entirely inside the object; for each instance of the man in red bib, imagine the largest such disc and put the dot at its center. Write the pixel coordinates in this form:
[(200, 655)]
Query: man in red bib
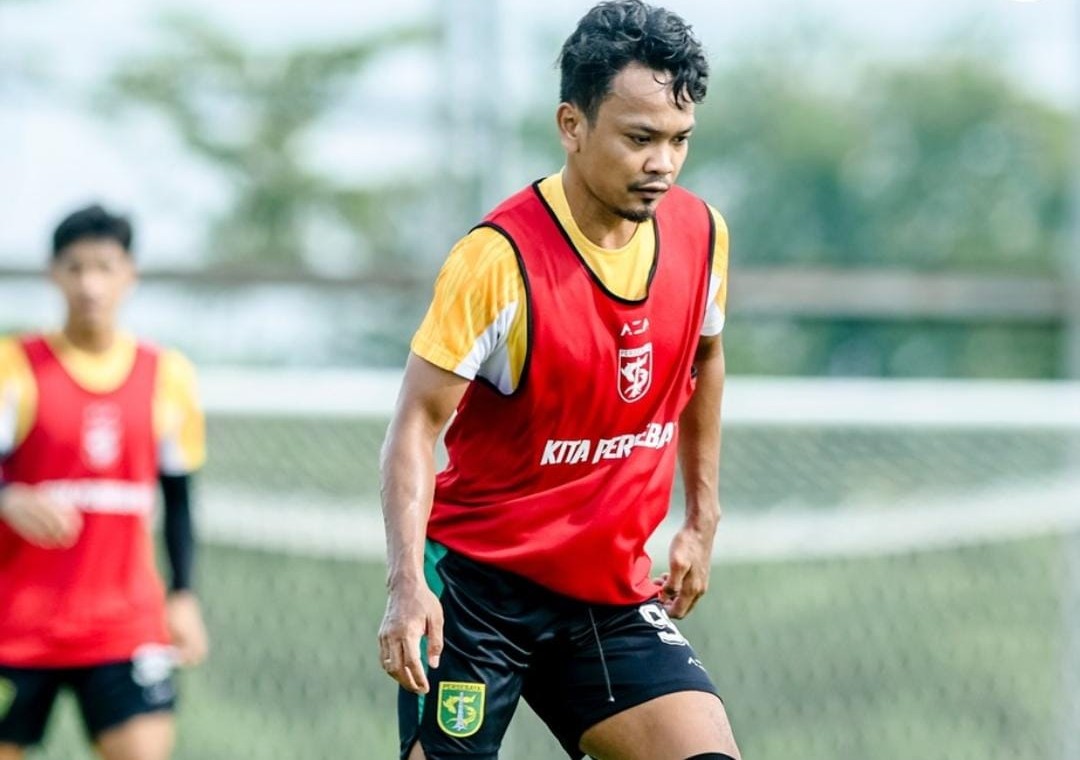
[(91, 423), (576, 333)]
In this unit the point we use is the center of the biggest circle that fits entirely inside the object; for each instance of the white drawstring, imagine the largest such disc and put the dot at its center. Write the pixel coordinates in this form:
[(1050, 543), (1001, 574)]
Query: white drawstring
[(603, 661)]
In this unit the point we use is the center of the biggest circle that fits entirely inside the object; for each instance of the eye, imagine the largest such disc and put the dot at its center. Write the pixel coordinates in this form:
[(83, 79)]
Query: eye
[(639, 139), (681, 139)]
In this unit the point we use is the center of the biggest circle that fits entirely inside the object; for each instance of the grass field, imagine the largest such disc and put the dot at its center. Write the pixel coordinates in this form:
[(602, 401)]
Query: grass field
[(950, 655)]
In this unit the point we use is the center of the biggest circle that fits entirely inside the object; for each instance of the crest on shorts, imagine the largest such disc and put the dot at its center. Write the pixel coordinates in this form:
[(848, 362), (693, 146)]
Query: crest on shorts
[(152, 666), (635, 372), (461, 707), (102, 433), (7, 696)]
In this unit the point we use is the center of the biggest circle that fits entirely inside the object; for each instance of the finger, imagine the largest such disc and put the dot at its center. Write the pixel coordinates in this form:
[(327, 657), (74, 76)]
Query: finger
[(184, 655), (678, 607), (191, 651), (434, 641), (685, 601), (52, 527), (73, 523), (673, 584), (44, 532), (386, 655), (413, 669)]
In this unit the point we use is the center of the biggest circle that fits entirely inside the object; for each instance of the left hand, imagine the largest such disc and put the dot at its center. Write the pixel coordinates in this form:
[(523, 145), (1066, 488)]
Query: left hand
[(184, 619), (690, 560)]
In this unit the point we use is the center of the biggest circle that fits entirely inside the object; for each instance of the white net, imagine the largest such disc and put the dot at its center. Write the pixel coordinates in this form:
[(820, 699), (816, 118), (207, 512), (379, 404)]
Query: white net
[(897, 574)]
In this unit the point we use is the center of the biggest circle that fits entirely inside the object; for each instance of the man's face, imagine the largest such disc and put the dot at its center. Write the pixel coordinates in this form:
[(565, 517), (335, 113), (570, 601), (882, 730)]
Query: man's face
[(94, 276), (632, 151)]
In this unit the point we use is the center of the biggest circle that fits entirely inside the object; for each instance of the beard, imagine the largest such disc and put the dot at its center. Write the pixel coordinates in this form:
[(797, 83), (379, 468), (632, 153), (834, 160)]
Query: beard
[(636, 215)]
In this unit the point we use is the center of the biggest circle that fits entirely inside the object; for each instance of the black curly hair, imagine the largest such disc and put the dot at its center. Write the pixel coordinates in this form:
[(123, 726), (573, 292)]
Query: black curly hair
[(617, 33)]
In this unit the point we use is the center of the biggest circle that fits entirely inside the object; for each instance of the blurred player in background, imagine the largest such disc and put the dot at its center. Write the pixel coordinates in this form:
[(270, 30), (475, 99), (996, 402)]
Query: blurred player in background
[(91, 421), (577, 333)]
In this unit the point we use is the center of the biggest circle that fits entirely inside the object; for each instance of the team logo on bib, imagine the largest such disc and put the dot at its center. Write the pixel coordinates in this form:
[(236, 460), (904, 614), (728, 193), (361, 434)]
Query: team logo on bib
[(461, 708), (101, 435), (7, 696), (635, 372)]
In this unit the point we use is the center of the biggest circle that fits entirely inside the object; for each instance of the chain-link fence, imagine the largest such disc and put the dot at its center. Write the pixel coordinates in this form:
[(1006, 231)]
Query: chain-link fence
[(882, 590)]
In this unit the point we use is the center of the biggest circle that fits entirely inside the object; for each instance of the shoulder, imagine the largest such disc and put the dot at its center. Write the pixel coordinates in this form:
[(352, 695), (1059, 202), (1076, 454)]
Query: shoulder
[(174, 369), (482, 259), (720, 227), (484, 247), (11, 348), (526, 199), (13, 357)]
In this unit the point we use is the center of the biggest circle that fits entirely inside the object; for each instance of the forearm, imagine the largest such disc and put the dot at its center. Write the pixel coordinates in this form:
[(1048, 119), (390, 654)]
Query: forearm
[(408, 481), (699, 440), (179, 529)]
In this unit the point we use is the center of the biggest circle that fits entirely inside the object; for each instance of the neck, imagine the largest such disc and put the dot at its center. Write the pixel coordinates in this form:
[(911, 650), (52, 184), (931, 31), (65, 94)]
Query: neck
[(596, 222), (89, 338)]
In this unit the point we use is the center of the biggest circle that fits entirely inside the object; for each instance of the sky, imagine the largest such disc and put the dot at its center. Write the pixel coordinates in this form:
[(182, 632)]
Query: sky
[(57, 151)]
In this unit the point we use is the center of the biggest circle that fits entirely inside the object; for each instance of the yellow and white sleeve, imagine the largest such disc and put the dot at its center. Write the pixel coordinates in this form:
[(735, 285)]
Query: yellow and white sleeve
[(18, 396), (476, 325), (178, 418), (716, 311)]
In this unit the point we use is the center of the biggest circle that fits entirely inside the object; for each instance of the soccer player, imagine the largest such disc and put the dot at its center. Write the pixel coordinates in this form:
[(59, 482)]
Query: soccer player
[(90, 422), (577, 334)]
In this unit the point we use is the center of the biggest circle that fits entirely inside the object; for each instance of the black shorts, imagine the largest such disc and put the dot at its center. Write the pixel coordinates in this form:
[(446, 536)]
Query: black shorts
[(108, 695), (506, 637)]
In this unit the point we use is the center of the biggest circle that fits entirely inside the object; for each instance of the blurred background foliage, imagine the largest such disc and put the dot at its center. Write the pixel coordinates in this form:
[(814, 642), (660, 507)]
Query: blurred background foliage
[(819, 153), (246, 114)]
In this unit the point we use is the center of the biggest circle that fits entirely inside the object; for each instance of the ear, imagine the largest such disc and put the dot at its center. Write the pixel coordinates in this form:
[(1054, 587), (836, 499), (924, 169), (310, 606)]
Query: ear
[(571, 124), (131, 275)]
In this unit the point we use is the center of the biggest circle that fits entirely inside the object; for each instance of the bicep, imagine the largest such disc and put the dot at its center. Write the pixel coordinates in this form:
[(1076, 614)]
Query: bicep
[(428, 397), (710, 355)]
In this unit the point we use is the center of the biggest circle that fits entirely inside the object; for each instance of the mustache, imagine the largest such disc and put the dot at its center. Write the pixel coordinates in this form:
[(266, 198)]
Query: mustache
[(653, 183)]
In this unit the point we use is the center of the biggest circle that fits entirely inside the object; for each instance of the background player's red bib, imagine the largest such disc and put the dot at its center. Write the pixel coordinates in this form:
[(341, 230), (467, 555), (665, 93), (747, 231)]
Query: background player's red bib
[(98, 600)]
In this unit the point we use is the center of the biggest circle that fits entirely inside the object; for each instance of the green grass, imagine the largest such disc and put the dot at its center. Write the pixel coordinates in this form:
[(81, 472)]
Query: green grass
[(951, 654)]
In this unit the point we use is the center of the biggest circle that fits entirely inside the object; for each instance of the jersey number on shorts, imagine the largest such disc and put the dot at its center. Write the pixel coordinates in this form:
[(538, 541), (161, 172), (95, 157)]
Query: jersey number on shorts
[(657, 617)]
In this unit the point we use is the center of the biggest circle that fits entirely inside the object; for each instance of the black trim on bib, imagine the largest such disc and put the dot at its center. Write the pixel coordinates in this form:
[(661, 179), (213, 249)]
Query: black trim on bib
[(592, 275)]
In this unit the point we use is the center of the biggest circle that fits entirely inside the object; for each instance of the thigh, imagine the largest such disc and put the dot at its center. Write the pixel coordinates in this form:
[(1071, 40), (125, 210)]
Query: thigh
[(490, 621), (613, 659), (672, 727), (112, 694), (144, 737), (27, 696)]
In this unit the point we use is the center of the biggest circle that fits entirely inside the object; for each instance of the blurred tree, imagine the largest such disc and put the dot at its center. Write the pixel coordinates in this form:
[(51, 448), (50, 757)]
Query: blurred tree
[(248, 115), (819, 157), (937, 163)]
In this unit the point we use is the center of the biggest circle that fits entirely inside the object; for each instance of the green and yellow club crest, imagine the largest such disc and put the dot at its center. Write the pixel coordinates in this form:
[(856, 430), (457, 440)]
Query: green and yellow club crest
[(7, 696), (461, 707)]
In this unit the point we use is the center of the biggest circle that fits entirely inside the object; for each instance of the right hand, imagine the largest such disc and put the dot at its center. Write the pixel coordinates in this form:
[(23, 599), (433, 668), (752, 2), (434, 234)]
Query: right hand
[(38, 518), (412, 611)]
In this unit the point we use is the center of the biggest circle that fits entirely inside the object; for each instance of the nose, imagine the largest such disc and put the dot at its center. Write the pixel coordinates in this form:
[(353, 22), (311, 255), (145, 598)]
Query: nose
[(90, 284), (661, 161)]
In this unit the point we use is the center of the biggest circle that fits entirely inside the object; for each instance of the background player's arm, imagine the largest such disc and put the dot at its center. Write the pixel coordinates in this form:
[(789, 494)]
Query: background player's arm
[(38, 518), (183, 612), (428, 397), (699, 458), (181, 431)]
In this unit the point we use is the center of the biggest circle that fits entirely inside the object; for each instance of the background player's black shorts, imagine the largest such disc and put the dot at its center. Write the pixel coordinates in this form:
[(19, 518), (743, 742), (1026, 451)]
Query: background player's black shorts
[(108, 695), (574, 663)]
